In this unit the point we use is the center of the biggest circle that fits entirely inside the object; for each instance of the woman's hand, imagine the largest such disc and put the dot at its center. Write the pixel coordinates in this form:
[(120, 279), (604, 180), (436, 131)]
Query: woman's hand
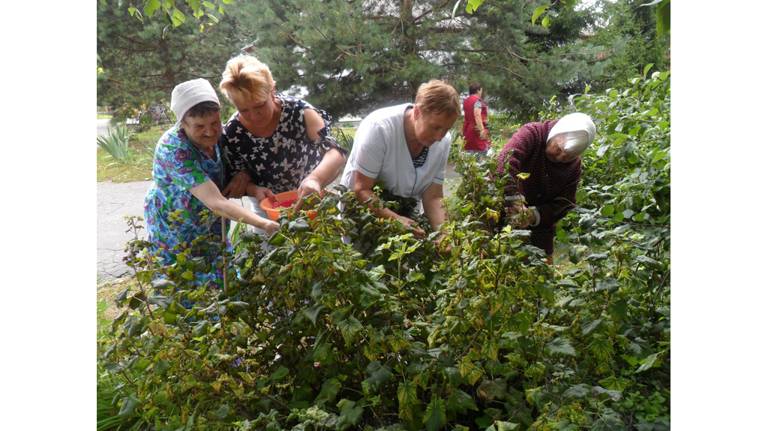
[(413, 226), (443, 246), (521, 216), (271, 227), (237, 186), (309, 186), (260, 193)]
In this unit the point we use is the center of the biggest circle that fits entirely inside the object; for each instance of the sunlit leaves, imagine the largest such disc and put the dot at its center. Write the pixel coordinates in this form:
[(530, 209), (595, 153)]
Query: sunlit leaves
[(561, 346)]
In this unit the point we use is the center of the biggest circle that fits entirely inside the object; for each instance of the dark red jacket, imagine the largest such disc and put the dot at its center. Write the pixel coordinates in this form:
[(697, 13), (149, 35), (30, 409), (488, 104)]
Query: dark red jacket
[(551, 187)]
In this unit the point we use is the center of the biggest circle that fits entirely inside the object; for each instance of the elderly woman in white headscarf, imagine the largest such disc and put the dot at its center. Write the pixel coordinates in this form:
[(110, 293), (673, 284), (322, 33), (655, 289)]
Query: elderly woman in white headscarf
[(550, 152), (185, 201)]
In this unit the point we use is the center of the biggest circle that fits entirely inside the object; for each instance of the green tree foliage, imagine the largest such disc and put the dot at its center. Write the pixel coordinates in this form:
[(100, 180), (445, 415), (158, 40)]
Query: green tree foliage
[(628, 37), (356, 55), (205, 11), (353, 56), (140, 63)]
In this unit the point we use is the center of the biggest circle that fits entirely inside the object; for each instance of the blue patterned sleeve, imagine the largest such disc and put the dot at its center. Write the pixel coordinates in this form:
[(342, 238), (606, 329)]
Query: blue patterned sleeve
[(178, 163)]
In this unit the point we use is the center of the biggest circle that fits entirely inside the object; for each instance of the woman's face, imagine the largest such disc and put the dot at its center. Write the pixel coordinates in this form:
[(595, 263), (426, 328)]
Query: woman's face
[(203, 131), (255, 111), (555, 151), (431, 127)]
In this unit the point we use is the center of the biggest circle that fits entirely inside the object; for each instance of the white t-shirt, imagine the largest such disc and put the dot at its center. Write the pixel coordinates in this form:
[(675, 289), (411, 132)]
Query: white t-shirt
[(379, 151)]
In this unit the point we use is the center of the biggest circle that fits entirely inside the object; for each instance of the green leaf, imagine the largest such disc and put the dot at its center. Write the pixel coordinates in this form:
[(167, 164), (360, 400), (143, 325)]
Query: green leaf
[(137, 300), (328, 391), (460, 402), (648, 260), (151, 6), (298, 225), (494, 389), (222, 412), (534, 396), (169, 317), (505, 426), (349, 328), (407, 400), (434, 417), (607, 210), (194, 5), (597, 257), (546, 22), (577, 391), (349, 413), (608, 284), (279, 374), (469, 370), (602, 150), (312, 312), (177, 19), (129, 405), (646, 69), (473, 5), (562, 346), (647, 363), (378, 375), (591, 326), (538, 12)]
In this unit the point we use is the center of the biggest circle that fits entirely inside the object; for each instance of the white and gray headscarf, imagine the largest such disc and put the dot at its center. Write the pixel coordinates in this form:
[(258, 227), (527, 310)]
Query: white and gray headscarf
[(579, 130), (188, 94)]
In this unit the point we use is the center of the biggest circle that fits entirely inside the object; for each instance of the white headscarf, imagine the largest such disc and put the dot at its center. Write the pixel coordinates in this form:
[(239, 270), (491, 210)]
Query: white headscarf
[(579, 130), (189, 93)]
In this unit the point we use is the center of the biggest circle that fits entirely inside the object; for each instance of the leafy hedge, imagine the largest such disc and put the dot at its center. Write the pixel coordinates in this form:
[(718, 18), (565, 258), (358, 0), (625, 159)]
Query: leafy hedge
[(349, 322)]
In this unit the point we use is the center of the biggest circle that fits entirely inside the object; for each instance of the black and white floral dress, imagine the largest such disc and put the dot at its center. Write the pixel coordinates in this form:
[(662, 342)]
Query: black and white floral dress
[(281, 161)]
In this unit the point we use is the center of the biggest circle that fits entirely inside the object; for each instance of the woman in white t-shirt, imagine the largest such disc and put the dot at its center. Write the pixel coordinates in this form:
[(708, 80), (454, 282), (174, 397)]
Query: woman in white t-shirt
[(404, 148)]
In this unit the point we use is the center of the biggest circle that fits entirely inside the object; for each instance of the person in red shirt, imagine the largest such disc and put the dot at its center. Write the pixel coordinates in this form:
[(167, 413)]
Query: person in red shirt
[(549, 152), (475, 129)]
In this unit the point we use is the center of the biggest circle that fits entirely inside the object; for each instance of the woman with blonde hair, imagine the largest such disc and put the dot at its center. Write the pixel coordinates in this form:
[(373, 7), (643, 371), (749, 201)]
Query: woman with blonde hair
[(273, 143), (405, 149)]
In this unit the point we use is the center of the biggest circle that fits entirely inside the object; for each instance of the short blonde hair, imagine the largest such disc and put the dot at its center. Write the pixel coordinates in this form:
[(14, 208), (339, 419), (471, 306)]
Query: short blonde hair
[(438, 97), (245, 77)]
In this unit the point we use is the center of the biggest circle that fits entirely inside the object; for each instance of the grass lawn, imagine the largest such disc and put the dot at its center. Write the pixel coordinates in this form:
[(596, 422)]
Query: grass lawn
[(106, 293), (139, 167)]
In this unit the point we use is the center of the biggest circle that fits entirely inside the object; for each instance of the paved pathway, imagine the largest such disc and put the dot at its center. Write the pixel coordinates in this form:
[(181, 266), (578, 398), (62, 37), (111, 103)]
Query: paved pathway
[(115, 201), (102, 127)]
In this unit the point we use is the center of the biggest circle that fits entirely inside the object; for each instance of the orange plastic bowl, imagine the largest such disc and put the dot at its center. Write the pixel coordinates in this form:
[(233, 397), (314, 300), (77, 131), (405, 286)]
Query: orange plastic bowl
[(283, 200)]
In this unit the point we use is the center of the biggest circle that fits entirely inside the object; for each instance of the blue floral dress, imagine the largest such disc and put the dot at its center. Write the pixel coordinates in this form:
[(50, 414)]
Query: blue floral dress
[(174, 217)]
